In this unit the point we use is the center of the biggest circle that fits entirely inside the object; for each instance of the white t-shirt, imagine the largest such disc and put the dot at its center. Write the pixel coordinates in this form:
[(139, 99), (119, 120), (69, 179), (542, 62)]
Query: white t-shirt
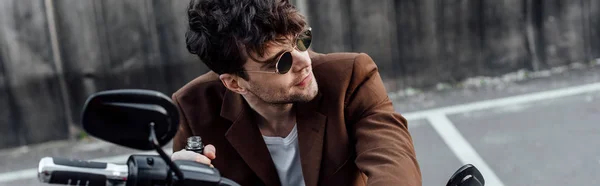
[(286, 156)]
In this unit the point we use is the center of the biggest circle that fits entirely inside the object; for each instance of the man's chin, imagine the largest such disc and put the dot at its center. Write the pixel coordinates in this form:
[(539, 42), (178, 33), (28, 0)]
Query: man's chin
[(303, 97), (308, 96)]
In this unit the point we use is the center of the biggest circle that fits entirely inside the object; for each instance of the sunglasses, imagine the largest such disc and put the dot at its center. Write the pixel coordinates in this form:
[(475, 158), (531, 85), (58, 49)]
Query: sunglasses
[(285, 60)]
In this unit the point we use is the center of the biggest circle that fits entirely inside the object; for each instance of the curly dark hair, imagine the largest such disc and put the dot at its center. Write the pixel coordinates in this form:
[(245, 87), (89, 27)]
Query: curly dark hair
[(222, 33)]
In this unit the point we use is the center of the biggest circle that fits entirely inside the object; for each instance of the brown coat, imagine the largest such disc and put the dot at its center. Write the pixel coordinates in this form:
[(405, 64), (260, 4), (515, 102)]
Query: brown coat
[(348, 135)]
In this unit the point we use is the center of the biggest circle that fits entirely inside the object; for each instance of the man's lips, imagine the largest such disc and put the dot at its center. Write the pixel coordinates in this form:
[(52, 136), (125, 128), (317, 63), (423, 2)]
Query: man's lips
[(304, 81)]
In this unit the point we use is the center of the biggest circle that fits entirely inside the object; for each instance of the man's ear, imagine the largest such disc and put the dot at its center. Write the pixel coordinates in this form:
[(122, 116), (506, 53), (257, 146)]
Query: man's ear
[(232, 82)]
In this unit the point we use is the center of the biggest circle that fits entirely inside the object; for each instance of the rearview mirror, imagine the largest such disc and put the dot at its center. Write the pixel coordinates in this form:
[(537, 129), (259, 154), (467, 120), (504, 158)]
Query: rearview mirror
[(467, 175), (130, 117)]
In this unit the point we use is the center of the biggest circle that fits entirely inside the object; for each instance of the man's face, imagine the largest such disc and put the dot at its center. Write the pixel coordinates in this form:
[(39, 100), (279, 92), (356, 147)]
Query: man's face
[(297, 85)]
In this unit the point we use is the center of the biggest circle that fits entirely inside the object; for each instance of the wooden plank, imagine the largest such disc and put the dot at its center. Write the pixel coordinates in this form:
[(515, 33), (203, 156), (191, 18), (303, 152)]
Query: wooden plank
[(374, 32), (331, 25), (36, 106), (460, 34), (134, 60), (447, 41), (418, 43), (480, 38), (594, 28), (563, 32), (103, 50), (534, 33), (83, 52), (504, 46), (179, 65), (9, 128)]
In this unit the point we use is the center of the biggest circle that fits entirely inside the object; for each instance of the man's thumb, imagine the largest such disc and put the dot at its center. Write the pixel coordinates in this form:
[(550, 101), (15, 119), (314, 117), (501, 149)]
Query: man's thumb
[(210, 151)]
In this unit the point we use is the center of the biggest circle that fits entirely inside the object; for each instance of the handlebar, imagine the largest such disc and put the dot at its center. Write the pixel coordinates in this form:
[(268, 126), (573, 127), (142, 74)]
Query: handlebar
[(152, 170), (77, 172), (139, 170)]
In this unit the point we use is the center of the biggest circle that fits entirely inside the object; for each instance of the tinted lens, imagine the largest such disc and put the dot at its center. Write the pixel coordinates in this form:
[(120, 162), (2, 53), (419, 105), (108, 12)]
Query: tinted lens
[(285, 63), (303, 44), (304, 41)]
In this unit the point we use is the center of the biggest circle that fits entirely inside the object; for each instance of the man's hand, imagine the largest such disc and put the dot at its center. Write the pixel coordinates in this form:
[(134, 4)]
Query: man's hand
[(210, 153)]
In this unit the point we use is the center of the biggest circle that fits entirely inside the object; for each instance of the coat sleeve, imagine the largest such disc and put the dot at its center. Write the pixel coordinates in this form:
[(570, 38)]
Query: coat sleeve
[(383, 144), (184, 131)]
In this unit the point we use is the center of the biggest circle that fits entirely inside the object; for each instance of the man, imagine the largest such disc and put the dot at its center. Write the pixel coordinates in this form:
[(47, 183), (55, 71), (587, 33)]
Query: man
[(279, 114)]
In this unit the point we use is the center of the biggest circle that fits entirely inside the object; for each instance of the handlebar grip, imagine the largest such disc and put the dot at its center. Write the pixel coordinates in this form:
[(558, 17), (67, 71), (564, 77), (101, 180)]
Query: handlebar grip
[(77, 172), (79, 163), (77, 178)]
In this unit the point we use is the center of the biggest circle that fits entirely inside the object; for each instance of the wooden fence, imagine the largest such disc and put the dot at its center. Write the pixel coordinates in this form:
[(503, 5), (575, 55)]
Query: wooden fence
[(421, 42), (53, 54)]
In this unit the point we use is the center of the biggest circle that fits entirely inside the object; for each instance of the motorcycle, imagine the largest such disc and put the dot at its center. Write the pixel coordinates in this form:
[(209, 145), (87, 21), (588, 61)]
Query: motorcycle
[(148, 120)]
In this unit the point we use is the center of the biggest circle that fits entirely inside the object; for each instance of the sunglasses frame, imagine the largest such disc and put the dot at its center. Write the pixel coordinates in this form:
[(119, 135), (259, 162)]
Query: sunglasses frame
[(306, 33)]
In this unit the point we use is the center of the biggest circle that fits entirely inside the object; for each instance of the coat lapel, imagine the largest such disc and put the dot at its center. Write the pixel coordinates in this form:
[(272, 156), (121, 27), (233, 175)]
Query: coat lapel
[(311, 129), (246, 139)]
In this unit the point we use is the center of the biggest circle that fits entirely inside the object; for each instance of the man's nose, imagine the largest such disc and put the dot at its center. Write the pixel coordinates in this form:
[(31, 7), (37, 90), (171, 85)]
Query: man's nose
[(301, 61)]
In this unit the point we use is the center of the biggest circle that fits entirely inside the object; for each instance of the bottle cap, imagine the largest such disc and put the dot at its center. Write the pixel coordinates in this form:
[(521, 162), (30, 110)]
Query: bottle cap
[(194, 143)]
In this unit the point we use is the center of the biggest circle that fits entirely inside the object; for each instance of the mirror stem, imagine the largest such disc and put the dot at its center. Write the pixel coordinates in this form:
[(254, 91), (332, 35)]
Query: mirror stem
[(162, 153)]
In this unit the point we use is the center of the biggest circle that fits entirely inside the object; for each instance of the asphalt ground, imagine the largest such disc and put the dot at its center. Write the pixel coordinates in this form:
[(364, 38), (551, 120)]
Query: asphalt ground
[(540, 131)]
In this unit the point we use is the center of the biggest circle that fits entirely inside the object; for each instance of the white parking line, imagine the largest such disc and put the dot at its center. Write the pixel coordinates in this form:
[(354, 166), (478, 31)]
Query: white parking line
[(32, 173), (513, 100), (461, 147), (18, 175), (437, 118)]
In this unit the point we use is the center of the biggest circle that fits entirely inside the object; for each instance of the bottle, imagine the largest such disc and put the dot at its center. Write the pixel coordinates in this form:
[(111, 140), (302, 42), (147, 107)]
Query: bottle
[(194, 143)]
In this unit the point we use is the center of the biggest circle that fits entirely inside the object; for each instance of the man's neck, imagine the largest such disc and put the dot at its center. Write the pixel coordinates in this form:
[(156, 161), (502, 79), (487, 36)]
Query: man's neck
[(274, 119)]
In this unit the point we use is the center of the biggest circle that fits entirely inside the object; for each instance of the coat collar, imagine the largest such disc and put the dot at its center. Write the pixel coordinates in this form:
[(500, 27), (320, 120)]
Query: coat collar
[(246, 139)]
